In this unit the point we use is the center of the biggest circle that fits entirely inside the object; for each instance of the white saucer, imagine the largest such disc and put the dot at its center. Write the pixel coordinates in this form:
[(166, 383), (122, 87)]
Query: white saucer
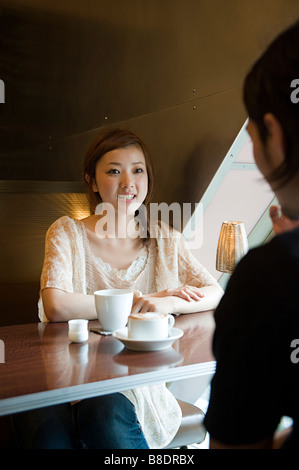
[(147, 345)]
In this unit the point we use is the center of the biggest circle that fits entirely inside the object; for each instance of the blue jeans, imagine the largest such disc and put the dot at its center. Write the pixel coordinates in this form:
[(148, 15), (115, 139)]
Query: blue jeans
[(106, 422)]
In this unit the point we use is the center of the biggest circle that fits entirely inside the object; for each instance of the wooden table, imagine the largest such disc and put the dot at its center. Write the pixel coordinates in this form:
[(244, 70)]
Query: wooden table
[(43, 368)]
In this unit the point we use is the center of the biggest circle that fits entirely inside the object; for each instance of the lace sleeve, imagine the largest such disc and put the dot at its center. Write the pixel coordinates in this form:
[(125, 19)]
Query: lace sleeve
[(176, 266), (57, 269), (191, 271)]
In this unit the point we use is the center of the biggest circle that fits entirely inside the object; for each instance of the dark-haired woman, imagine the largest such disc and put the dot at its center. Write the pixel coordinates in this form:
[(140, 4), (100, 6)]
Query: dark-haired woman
[(79, 260), (256, 341)]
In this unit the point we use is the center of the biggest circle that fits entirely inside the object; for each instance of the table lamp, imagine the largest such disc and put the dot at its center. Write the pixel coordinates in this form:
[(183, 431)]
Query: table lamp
[(232, 246)]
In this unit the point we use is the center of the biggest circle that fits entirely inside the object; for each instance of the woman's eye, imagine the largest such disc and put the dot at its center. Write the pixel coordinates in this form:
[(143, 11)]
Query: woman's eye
[(115, 171)]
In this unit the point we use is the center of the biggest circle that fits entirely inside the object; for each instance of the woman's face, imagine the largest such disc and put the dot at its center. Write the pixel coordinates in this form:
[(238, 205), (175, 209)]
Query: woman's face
[(268, 156), (258, 148), (121, 179)]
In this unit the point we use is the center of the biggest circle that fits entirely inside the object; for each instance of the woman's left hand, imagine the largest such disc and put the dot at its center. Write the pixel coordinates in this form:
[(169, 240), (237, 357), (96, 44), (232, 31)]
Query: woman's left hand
[(164, 301), (281, 223)]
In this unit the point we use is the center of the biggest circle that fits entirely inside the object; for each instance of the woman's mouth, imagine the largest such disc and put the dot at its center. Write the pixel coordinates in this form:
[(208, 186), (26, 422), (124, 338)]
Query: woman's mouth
[(126, 197)]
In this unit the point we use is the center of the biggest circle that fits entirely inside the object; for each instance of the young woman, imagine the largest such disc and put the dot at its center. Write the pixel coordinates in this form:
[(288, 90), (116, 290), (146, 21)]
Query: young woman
[(82, 256), (257, 319), (118, 173)]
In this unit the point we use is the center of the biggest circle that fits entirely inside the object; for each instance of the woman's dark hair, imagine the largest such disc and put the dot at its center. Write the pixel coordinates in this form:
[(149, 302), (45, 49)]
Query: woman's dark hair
[(106, 141), (267, 89)]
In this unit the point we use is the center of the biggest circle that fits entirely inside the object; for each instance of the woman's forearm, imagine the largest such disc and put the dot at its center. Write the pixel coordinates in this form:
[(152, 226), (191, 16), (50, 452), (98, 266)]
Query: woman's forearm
[(210, 301), (63, 306), (175, 300)]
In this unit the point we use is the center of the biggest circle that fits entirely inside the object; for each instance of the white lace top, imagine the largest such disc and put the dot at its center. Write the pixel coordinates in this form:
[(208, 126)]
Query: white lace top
[(70, 265)]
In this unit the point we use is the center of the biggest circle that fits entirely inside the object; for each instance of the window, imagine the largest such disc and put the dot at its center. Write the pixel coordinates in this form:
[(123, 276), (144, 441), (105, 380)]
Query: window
[(237, 192)]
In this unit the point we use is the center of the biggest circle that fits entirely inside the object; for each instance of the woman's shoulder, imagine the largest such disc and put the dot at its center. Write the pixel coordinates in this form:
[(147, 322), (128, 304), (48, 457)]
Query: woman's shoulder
[(63, 221), (64, 224)]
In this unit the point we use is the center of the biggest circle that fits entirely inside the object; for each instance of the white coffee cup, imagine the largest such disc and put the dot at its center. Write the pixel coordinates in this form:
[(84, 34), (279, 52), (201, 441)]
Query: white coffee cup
[(149, 326), (78, 330), (113, 307)]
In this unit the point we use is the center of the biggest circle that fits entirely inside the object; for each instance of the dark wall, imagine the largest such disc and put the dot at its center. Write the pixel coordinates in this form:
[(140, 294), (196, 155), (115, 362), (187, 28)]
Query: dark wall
[(171, 70)]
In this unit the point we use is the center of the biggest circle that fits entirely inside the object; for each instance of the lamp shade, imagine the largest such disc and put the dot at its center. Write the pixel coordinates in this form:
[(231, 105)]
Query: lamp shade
[(232, 246)]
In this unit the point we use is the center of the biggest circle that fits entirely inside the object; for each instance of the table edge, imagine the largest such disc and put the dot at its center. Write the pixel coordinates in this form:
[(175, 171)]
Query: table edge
[(103, 387)]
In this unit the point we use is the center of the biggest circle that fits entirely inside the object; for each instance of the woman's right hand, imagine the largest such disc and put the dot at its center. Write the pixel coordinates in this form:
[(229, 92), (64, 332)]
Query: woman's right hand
[(164, 301)]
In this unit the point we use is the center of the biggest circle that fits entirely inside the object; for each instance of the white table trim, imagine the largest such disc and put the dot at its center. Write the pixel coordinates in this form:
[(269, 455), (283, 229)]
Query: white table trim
[(103, 387)]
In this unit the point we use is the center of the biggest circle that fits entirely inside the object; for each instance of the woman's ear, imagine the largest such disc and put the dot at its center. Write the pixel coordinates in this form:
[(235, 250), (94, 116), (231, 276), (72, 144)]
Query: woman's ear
[(276, 142), (94, 186)]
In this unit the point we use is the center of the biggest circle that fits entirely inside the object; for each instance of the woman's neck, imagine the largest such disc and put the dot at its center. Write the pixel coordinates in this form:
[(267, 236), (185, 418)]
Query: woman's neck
[(120, 226)]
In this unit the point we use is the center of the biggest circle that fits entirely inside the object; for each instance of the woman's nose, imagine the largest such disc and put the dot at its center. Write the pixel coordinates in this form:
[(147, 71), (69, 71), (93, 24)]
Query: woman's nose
[(126, 181)]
